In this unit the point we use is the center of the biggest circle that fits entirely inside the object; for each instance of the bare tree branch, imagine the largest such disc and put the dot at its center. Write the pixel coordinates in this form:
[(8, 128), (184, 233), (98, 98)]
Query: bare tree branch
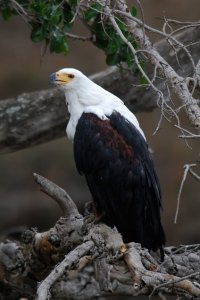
[(70, 259), (37, 117), (64, 201), (178, 84), (187, 169)]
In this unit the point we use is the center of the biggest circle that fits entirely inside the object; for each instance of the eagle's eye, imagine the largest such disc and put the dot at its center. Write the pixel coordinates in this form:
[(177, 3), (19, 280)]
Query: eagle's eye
[(71, 75)]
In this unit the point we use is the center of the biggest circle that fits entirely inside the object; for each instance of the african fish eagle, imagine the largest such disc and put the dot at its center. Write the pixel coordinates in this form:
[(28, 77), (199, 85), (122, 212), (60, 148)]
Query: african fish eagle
[(110, 149)]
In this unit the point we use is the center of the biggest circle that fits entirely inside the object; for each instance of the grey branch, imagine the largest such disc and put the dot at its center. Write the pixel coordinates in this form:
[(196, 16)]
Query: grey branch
[(70, 259), (35, 118), (78, 259), (64, 201)]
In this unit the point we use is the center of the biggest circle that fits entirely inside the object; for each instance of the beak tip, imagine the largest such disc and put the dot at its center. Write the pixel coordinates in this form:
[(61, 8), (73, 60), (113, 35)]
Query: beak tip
[(52, 78)]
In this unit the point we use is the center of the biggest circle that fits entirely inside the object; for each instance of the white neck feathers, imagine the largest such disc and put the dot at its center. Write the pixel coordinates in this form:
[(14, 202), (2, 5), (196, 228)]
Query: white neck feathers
[(88, 97)]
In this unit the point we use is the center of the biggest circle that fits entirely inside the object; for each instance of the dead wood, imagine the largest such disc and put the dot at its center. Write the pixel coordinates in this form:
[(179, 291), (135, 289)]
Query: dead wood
[(34, 118), (78, 259)]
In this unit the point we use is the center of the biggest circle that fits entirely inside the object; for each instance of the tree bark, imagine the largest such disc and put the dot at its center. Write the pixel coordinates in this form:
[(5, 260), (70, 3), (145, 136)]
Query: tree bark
[(37, 117), (78, 259)]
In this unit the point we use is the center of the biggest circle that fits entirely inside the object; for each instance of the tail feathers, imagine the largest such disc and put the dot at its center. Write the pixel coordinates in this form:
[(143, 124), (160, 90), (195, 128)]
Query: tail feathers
[(158, 240)]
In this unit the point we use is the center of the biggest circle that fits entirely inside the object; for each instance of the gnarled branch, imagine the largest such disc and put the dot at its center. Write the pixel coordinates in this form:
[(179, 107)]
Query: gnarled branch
[(78, 259), (59, 195)]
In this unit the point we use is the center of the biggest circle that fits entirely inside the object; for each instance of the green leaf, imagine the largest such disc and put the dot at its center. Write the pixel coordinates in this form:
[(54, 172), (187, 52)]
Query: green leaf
[(129, 59), (121, 25), (5, 10), (114, 45), (55, 19), (67, 12), (72, 3), (133, 11), (113, 59), (99, 31), (143, 80), (89, 14), (101, 43), (58, 44), (92, 12), (6, 14), (37, 34), (38, 7)]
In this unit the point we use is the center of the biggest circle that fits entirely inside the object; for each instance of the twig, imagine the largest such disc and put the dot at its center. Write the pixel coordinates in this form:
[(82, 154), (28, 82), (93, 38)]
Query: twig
[(189, 134), (79, 37), (161, 33), (125, 40), (193, 136), (195, 175), (142, 15), (134, 263), (186, 170), (70, 259), (184, 130), (19, 8), (181, 283), (177, 22), (140, 275), (64, 201), (177, 83)]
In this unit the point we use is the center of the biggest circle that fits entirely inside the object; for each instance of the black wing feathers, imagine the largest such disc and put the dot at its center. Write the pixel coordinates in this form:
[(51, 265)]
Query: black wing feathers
[(114, 157)]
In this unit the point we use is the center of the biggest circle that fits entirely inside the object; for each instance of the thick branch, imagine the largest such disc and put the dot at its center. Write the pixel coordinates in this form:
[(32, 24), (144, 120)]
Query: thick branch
[(64, 201), (34, 118), (77, 259), (72, 258)]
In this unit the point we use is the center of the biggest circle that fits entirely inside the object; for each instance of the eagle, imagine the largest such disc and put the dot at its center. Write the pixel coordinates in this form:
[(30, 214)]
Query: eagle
[(111, 151)]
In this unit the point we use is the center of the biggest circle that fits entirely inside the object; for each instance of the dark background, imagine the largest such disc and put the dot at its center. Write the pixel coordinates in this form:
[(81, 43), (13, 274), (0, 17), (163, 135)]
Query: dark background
[(23, 70)]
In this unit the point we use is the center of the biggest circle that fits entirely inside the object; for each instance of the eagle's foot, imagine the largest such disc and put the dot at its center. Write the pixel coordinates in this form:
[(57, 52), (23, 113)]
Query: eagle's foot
[(99, 218), (90, 208), (90, 219), (94, 218), (92, 215)]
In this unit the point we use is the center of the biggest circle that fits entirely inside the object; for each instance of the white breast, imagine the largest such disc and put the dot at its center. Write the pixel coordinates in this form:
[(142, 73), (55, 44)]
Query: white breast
[(94, 99)]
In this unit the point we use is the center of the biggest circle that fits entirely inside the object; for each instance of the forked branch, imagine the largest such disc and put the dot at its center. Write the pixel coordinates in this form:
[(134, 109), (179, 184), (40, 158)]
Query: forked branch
[(188, 169)]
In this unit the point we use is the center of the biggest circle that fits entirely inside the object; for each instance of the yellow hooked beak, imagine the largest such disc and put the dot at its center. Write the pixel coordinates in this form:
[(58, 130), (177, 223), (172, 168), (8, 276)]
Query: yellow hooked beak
[(60, 78)]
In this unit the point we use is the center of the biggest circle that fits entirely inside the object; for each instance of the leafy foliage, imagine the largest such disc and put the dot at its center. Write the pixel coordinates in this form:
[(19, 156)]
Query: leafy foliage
[(51, 20), (106, 38), (6, 10)]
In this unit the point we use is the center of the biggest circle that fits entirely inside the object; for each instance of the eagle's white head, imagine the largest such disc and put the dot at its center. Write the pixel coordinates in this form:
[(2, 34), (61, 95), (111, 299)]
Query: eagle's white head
[(68, 78), (83, 95)]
